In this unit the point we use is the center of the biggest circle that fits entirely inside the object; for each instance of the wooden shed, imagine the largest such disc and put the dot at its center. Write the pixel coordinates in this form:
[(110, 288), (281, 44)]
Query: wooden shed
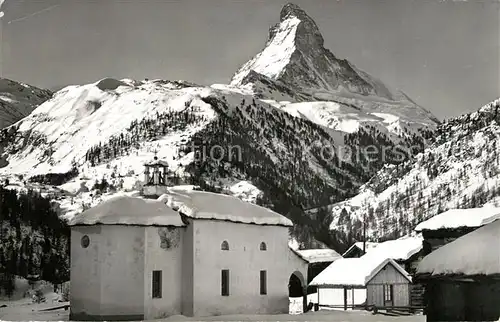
[(452, 224), (462, 278), (363, 282)]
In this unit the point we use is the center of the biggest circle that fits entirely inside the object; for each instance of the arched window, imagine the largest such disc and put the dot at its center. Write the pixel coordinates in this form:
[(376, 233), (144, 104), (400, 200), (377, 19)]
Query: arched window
[(224, 245), (263, 246)]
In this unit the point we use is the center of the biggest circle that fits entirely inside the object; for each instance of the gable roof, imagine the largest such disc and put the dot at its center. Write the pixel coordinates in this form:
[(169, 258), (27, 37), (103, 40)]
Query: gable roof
[(456, 218), (318, 255), (359, 245), (207, 205), (354, 272), (128, 210), (472, 254)]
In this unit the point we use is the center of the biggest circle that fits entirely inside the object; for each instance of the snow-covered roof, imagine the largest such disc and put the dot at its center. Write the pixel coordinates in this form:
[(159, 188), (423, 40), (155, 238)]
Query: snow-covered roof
[(126, 210), (355, 272), (154, 162), (399, 249), (208, 205), (319, 255), (293, 244), (471, 254), (359, 245), (456, 218)]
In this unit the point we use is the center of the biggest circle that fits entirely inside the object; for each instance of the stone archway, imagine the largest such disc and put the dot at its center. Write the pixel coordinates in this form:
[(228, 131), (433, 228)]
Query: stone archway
[(297, 287)]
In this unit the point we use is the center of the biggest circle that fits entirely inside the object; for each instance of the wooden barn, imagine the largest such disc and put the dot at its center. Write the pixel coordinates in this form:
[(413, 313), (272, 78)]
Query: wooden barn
[(364, 282), (407, 252), (452, 224), (358, 249), (462, 278)]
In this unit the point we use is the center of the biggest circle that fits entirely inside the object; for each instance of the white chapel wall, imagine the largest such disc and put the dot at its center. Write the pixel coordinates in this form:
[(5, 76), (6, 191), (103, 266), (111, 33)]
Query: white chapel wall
[(85, 274), (245, 260), (122, 270), (164, 253)]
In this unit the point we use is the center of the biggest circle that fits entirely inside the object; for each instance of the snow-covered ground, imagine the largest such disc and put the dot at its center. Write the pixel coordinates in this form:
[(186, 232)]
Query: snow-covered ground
[(322, 315), (31, 312), (27, 311), (21, 308)]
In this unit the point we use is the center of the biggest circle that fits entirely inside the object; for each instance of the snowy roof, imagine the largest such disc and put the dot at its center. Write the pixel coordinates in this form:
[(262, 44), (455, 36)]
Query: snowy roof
[(293, 244), (456, 218), (126, 210), (471, 254), (319, 255), (398, 249), (359, 245), (208, 205), (356, 272), (156, 162)]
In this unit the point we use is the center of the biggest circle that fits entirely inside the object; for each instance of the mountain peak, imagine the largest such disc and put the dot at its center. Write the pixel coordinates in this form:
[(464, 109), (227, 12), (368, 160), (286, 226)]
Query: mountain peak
[(291, 9), (295, 55), (307, 32)]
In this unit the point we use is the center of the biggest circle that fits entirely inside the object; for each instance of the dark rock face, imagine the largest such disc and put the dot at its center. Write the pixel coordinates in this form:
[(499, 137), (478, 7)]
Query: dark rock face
[(308, 34)]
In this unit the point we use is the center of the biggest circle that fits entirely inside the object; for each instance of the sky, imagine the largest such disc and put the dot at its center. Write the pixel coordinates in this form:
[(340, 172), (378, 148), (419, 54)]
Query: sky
[(444, 54)]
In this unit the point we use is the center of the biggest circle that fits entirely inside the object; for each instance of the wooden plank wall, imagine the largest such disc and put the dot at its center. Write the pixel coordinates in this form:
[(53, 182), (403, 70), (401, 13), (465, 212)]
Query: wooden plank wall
[(388, 275)]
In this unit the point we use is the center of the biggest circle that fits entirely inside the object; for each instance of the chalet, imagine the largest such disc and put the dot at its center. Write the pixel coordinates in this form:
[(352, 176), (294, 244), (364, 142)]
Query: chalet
[(462, 278), (452, 224), (365, 282), (358, 249), (406, 251), (187, 252)]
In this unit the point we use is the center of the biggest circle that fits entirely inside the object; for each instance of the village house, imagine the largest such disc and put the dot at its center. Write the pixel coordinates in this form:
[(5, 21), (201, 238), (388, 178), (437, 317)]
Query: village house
[(462, 278), (187, 252), (452, 224), (407, 252), (363, 282)]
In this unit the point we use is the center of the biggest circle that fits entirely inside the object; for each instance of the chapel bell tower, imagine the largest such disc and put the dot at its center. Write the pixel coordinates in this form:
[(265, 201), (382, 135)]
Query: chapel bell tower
[(156, 181)]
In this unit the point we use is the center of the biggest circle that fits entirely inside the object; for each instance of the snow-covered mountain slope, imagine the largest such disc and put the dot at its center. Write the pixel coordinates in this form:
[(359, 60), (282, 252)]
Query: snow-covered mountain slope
[(64, 128), (460, 169), (110, 128), (294, 66), (18, 100)]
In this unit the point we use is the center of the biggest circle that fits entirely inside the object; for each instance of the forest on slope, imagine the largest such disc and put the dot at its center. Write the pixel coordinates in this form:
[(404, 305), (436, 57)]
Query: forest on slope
[(34, 241), (460, 169)]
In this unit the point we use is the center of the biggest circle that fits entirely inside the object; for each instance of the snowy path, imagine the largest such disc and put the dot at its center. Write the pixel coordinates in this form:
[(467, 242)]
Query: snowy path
[(324, 315), (26, 311), (32, 313)]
